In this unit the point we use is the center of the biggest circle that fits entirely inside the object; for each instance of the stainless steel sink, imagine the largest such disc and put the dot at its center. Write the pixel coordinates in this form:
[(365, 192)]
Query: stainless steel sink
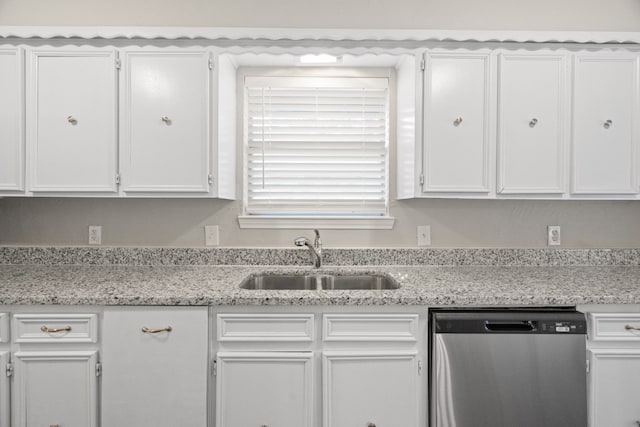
[(319, 282)]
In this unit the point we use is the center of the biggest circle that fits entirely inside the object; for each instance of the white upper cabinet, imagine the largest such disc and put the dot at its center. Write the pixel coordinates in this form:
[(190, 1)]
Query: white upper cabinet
[(71, 114), (457, 122), (531, 123), (605, 117), (166, 144), (11, 121)]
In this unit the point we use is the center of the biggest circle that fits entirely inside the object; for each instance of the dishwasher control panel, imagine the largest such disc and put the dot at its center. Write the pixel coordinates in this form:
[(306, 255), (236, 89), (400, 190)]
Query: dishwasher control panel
[(512, 322)]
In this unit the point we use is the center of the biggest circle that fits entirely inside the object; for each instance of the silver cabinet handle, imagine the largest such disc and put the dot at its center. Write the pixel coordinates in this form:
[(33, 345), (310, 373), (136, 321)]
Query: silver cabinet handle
[(166, 119), (533, 122), (72, 120), (632, 328), (456, 122), (608, 124), (49, 330), (371, 425), (156, 331)]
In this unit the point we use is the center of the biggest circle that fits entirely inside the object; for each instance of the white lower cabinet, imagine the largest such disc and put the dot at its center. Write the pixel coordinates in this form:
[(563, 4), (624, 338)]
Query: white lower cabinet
[(614, 373), (614, 388), (370, 389), (362, 370), (155, 366), (273, 389), (5, 401), (55, 388)]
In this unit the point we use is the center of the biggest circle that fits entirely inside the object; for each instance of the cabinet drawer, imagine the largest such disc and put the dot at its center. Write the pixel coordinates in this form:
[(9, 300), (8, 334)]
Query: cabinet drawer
[(370, 327), (55, 328), (4, 327), (615, 326), (265, 327)]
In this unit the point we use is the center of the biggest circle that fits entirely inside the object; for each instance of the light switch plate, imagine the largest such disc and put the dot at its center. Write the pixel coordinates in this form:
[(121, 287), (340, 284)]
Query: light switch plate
[(424, 235)]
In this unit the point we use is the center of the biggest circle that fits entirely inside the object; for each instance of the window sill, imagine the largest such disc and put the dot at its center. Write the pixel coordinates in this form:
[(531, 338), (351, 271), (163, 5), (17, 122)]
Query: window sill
[(326, 223)]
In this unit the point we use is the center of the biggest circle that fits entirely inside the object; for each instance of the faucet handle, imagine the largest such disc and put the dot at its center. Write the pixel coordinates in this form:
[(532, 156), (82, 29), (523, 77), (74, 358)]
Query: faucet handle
[(317, 242)]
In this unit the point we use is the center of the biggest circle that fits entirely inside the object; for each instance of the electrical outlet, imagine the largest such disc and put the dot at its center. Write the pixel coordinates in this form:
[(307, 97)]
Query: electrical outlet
[(424, 235), (211, 235), (95, 234), (553, 235)]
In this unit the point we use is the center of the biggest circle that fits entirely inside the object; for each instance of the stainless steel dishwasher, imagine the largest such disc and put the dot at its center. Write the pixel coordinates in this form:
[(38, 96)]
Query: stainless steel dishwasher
[(508, 368)]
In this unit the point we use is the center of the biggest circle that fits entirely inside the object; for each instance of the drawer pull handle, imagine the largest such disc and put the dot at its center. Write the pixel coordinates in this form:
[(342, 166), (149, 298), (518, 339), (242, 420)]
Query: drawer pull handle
[(456, 122), (156, 331), (608, 124), (632, 328), (53, 330)]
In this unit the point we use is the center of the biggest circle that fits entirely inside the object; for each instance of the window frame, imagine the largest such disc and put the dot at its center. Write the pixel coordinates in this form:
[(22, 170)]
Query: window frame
[(319, 220)]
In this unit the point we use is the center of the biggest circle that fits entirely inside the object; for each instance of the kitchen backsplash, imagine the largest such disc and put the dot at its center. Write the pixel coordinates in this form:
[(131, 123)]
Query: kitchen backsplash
[(331, 256)]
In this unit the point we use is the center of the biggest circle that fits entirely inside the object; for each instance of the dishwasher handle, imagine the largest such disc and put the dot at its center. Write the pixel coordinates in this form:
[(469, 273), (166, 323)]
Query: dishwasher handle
[(518, 326)]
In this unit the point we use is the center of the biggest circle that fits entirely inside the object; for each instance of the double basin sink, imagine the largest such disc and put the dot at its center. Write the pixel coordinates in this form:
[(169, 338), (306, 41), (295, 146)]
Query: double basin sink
[(317, 282)]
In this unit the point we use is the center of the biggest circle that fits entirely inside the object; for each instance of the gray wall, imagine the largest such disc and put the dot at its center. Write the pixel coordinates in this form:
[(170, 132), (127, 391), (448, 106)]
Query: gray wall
[(588, 15), (455, 223)]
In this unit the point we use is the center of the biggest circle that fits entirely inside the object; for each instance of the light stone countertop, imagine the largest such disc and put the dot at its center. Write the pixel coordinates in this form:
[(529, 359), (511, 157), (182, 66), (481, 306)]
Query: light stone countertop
[(29, 284)]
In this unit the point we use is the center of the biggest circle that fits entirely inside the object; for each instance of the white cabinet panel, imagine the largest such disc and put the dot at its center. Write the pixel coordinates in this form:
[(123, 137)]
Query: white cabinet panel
[(71, 132), (360, 389), (457, 136), (55, 388), (166, 117), (605, 116), (11, 120), (155, 379), (615, 375), (531, 123), (5, 401), (264, 389)]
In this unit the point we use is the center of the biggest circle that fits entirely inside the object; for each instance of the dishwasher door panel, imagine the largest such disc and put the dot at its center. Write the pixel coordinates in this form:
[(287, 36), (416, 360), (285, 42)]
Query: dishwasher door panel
[(509, 380)]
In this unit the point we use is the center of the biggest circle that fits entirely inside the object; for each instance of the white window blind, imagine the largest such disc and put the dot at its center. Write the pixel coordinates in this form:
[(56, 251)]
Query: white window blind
[(316, 146)]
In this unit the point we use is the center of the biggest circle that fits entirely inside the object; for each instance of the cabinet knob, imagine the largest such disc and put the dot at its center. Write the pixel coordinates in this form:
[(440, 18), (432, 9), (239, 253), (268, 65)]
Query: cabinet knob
[(456, 122), (533, 122), (371, 425), (166, 119), (72, 120), (156, 331), (608, 124), (49, 330), (54, 425)]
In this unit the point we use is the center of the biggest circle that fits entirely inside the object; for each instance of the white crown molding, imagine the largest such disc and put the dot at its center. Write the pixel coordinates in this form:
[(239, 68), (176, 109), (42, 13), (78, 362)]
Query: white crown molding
[(315, 34)]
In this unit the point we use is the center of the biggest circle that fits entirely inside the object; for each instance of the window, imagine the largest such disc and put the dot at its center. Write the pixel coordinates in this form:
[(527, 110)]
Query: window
[(316, 147)]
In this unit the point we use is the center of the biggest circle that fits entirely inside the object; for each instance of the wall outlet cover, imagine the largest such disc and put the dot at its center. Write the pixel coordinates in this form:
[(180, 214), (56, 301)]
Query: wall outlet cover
[(95, 234), (211, 235), (553, 235)]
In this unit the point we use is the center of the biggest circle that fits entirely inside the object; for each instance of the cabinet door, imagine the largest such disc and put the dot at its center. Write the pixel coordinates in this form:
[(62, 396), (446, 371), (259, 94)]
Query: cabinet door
[(11, 121), (5, 419), (531, 123), (614, 379), (55, 388), (605, 110), (457, 123), (156, 377), (71, 137), (361, 389), (166, 144), (264, 389)]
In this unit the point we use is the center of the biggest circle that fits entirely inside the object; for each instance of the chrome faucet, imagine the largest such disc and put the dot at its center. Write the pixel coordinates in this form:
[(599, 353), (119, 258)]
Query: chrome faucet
[(315, 248)]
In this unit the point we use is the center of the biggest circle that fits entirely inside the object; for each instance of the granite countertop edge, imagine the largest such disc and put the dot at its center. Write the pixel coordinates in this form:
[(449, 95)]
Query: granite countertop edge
[(218, 285)]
